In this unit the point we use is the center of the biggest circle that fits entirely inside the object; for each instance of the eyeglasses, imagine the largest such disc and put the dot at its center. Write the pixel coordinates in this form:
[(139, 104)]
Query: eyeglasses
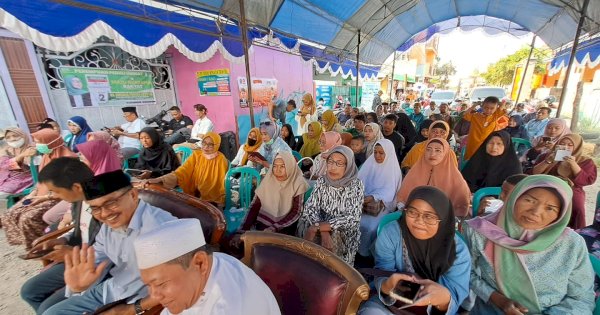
[(109, 205), (336, 163), (207, 145), (265, 123), (429, 219)]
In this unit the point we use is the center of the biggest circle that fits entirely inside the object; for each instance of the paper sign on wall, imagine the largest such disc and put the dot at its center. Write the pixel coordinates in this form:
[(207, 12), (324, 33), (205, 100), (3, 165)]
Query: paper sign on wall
[(263, 91), (213, 82)]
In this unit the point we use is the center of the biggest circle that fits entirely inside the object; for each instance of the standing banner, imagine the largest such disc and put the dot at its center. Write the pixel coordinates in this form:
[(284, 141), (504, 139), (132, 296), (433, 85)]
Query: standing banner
[(213, 82), (369, 90), (93, 87), (263, 91)]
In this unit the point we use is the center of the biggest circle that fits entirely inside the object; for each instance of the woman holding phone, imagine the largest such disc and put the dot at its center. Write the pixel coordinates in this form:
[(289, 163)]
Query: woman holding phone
[(555, 129), (575, 168), (157, 157), (422, 248)]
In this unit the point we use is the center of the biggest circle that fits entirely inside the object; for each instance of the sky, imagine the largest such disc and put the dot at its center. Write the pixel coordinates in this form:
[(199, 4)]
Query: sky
[(476, 49)]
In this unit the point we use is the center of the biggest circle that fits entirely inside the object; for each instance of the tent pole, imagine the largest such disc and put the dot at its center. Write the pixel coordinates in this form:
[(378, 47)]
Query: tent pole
[(357, 70), (563, 93), (392, 84), (244, 27), (525, 71)]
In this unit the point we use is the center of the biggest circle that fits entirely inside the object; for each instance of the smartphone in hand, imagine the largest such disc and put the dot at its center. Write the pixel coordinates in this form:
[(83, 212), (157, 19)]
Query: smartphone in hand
[(134, 172), (257, 155), (405, 291)]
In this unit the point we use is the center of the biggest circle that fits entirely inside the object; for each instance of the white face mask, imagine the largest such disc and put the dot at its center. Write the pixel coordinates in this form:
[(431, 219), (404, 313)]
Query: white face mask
[(16, 144)]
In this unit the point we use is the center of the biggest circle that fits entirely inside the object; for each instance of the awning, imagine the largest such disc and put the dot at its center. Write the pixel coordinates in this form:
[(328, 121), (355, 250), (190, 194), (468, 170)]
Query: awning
[(386, 25), (147, 32), (588, 53)]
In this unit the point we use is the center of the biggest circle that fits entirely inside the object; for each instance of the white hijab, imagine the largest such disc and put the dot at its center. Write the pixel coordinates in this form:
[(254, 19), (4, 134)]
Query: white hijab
[(382, 180)]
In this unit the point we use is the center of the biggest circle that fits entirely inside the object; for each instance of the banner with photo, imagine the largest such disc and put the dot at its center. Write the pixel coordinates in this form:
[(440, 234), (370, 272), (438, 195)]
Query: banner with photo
[(263, 91), (213, 82), (369, 90), (93, 87)]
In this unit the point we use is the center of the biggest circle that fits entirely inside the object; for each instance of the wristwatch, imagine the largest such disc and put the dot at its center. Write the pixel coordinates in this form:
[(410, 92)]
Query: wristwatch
[(138, 307), (317, 225)]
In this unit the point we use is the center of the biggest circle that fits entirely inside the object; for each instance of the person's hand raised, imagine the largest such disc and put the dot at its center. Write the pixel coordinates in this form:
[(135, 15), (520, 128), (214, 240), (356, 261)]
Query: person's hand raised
[(80, 268)]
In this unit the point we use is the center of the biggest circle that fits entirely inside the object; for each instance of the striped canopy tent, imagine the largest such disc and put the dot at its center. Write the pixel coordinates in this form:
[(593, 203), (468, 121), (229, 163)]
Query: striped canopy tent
[(386, 26)]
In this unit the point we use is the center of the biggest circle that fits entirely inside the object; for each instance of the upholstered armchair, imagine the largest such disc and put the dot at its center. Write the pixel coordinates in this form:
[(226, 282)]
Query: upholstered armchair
[(304, 277)]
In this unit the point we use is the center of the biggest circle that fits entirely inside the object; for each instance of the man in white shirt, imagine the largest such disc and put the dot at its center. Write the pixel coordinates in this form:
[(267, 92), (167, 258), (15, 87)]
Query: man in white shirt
[(188, 279), (129, 133), (431, 109)]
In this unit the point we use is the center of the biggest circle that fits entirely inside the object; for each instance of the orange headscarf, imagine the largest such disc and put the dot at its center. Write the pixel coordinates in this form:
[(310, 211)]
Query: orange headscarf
[(253, 148), (444, 176), (204, 177), (54, 142)]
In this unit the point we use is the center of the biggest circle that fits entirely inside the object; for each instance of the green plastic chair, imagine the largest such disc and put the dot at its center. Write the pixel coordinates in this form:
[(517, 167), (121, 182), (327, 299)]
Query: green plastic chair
[(394, 216), (520, 141), (462, 158), (297, 155), (12, 199), (247, 178), (185, 153), (126, 161), (483, 192), (596, 265), (308, 193)]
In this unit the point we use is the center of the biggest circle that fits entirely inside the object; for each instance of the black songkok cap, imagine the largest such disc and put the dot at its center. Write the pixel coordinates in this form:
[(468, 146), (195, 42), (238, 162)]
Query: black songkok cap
[(104, 184), (130, 109)]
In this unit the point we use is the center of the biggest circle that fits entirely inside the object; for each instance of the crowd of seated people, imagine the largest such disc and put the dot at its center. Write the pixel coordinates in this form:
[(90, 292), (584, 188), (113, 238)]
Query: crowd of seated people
[(494, 260)]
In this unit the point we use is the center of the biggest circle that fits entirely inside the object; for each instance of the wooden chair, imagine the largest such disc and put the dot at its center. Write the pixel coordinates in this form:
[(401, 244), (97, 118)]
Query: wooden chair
[(304, 277)]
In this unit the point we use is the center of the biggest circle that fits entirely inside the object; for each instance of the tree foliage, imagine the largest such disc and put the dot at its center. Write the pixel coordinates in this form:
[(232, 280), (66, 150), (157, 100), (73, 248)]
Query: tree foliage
[(443, 73), (502, 72)]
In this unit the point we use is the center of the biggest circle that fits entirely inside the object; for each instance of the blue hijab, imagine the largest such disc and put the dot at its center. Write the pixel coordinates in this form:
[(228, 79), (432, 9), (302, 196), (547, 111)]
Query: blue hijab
[(74, 139)]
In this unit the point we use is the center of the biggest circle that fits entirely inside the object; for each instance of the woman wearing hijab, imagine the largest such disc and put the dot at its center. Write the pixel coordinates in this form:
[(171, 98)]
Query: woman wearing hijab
[(331, 216), (99, 157), (437, 129), (203, 174), (492, 163), (15, 158), (79, 96), (576, 169), (555, 129), (79, 129), (310, 141), (307, 113), (157, 157), (437, 168), (381, 176), (372, 135), (287, 134), (23, 222), (330, 122), (516, 128), (327, 142), (278, 212), (272, 144), (525, 259), (253, 142), (423, 131), (106, 137), (405, 127), (422, 247)]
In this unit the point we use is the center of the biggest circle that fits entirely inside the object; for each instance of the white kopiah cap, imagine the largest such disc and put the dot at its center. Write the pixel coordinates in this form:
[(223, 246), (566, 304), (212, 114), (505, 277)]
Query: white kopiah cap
[(167, 242)]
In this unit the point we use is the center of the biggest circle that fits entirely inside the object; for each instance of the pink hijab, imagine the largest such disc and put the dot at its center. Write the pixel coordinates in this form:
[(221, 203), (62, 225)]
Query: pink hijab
[(106, 137), (101, 157)]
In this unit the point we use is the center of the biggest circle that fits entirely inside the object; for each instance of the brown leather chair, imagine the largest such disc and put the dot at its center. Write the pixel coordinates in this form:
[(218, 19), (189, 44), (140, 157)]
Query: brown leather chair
[(304, 277), (186, 206)]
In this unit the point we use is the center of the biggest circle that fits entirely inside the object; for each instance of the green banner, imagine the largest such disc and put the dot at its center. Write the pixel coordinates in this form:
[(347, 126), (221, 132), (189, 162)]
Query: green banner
[(93, 87)]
